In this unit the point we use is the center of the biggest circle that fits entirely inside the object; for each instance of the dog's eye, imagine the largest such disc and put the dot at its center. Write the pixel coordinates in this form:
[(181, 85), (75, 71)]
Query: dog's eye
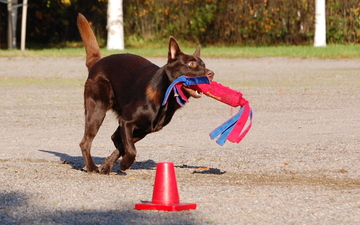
[(192, 64)]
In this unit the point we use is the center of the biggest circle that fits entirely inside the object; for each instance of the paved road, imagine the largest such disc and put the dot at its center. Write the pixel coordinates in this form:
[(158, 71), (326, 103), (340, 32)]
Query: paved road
[(298, 165)]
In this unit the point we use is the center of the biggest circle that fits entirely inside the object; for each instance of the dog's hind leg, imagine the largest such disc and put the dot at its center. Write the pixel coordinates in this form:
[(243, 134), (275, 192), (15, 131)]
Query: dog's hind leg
[(109, 162), (117, 140), (95, 111), (94, 116)]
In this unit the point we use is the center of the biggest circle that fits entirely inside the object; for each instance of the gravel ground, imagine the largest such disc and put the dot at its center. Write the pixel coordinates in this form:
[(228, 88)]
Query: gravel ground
[(299, 164)]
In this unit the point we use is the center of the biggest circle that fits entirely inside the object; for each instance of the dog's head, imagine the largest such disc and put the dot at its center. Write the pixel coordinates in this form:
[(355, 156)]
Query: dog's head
[(180, 64)]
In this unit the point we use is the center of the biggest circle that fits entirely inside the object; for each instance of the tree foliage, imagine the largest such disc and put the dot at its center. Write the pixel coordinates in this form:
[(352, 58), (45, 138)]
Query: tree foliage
[(219, 22), (241, 22)]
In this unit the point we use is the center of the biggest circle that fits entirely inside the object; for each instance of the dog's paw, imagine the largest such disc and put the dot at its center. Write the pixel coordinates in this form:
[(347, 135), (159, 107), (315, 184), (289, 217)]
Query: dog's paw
[(124, 165), (105, 169), (126, 161), (92, 169)]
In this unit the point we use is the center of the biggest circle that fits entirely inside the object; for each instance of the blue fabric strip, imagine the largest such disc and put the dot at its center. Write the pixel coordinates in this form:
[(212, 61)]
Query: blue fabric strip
[(178, 97), (225, 125), (197, 80), (223, 137), (225, 129)]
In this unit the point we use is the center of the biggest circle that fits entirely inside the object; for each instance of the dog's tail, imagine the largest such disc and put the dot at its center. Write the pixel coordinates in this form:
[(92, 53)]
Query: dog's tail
[(90, 43)]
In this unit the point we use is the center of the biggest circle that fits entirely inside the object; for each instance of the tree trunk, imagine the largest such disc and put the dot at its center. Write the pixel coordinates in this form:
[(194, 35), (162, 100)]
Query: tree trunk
[(12, 20), (23, 25), (115, 39), (320, 24)]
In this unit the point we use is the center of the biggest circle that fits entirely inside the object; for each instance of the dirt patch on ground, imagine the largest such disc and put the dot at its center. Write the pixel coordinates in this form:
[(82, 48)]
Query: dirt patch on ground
[(298, 164)]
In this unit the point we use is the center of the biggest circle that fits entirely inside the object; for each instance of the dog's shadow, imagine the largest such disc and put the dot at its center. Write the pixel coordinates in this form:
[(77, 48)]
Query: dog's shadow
[(77, 163)]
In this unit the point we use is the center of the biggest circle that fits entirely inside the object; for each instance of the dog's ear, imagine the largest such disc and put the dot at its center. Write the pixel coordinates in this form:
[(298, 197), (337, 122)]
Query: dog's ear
[(174, 49), (197, 51)]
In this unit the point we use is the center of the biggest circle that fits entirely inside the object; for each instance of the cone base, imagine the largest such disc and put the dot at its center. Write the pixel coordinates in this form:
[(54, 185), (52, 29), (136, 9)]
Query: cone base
[(174, 207)]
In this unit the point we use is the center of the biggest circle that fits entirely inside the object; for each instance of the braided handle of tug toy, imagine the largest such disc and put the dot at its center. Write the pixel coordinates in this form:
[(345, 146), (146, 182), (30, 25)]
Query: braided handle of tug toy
[(236, 127)]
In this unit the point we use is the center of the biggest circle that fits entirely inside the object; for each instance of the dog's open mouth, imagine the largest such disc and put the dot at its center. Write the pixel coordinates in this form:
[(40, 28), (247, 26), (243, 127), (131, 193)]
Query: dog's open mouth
[(191, 92), (195, 93)]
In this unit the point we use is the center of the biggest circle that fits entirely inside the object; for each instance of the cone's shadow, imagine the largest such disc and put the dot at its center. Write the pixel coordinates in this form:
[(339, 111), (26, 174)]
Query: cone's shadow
[(203, 169)]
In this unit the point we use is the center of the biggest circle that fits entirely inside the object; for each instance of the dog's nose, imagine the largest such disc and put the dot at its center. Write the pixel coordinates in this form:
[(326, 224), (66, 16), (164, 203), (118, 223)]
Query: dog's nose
[(210, 74)]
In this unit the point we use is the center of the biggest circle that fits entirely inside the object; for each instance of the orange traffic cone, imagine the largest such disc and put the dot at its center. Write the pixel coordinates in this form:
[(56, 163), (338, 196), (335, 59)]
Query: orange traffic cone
[(165, 194)]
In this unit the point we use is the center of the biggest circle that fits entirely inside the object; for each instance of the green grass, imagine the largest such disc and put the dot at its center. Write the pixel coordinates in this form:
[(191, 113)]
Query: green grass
[(329, 52)]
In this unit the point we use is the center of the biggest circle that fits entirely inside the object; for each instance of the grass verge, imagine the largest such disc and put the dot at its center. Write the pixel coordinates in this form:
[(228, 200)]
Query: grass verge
[(329, 52)]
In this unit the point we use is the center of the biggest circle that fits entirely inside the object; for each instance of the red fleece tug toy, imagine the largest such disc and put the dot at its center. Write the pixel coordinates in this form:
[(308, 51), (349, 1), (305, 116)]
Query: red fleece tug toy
[(235, 128)]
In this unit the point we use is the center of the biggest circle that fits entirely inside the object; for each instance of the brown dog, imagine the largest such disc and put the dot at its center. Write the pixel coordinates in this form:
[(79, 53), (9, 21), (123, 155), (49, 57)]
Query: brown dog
[(133, 88)]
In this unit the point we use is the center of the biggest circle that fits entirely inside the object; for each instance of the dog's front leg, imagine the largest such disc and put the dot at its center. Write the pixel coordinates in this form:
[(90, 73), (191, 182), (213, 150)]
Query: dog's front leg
[(127, 130), (109, 162)]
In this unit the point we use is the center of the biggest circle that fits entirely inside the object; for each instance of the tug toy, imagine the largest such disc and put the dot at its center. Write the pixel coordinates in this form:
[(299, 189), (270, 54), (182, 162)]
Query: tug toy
[(235, 128)]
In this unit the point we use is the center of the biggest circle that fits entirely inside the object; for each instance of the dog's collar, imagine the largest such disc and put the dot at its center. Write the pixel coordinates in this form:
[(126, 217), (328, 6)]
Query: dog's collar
[(176, 85)]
